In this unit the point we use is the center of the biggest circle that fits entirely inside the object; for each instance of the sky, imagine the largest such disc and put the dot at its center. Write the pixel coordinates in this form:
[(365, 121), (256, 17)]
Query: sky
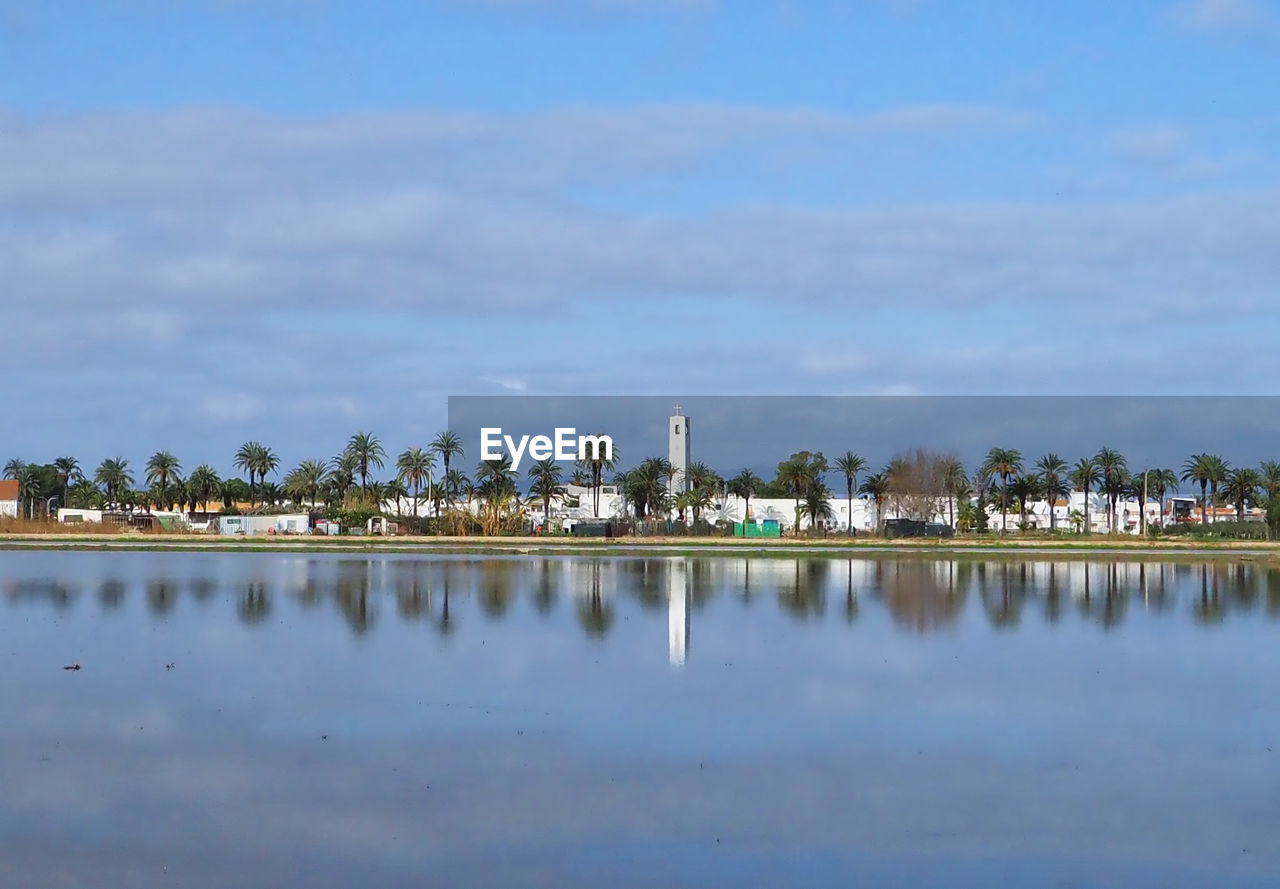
[(289, 220)]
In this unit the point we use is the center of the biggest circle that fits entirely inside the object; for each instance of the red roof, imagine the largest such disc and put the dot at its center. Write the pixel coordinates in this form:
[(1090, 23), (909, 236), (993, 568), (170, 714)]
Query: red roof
[(9, 489)]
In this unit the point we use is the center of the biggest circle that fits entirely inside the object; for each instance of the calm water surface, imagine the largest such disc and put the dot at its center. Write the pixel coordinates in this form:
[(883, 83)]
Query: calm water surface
[(269, 719)]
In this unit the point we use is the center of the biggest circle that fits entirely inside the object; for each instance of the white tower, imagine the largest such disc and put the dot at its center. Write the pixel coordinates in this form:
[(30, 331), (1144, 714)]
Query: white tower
[(678, 451)]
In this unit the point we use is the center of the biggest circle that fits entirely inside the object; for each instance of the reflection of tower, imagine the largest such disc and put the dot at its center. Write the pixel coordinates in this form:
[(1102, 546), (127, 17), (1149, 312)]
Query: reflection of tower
[(678, 450), (678, 613)]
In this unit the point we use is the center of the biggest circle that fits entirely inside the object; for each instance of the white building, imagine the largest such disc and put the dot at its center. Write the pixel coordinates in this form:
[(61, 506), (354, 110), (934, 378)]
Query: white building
[(258, 525), (9, 498)]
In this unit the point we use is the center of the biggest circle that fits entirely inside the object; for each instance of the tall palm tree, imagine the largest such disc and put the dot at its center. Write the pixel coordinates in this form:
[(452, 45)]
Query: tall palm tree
[(1005, 463), (849, 465), (414, 467), (1198, 468), (115, 479), (161, 468), (246, 460), (1052, 471), (1112, 465), (447, 445), (745, 485), (68, 469), (1160, 482), (1219, 472), (544, 476), (596, 464), (369, 453), (14, 468), (1084, 475)]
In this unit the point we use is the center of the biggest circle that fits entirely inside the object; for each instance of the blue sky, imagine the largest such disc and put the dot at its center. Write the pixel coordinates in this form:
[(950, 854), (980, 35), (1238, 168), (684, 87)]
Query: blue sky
[(287, 220)]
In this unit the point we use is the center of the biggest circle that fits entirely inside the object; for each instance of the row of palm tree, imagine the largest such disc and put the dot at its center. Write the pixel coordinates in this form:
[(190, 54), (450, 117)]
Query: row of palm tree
[(1004, 478)]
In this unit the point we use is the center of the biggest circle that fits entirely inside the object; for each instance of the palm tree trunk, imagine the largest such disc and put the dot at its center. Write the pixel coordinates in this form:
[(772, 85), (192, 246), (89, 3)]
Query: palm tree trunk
[(850, 492), (1004, 504)]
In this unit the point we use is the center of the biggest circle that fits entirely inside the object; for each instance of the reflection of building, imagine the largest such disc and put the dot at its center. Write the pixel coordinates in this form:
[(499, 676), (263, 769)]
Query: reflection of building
[(678, 450), (678, 612)]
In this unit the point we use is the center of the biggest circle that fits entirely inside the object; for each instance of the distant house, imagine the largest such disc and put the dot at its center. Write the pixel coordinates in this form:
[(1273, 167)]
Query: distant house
[(264, 524), (9, 498)]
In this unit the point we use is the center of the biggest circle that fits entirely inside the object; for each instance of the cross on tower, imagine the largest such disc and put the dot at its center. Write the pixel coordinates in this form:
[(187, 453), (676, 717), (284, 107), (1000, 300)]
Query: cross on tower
[(677, 410)]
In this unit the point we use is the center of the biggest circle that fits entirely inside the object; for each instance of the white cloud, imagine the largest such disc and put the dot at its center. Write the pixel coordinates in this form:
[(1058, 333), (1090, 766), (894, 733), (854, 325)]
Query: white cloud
[(305, 274)]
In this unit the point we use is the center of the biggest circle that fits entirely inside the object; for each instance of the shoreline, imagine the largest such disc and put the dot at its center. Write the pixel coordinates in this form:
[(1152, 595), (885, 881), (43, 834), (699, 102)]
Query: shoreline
[(630, 546)]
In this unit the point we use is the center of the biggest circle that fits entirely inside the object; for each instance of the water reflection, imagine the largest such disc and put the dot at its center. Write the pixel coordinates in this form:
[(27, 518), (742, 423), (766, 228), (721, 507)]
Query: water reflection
[(269, 719), (920, 596)]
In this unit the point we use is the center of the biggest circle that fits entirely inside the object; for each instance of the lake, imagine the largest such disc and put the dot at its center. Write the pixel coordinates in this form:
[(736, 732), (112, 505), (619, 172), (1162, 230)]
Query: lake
[(328, 720)]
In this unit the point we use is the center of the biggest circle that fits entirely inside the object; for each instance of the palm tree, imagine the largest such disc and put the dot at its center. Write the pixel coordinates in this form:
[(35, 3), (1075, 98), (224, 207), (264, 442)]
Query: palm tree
[(1198, 468), (955, 484), (597, 463), (1023, 489), (30, 487), (1112, 465), (1052, 471), (306, 480), (342, 473), (14, 468), (368, 452), (1219, 471), (1271, 476), (849, 465), (456, 485), (876, 486), (1242, 485), (414, 467), (545, 478), (745, 485), (115, 479), (246, 460), (68, 469), (1159, 483), (816, 504), (203, 485), (798, 473), (161, 467), (448, 445), (1005, 463)]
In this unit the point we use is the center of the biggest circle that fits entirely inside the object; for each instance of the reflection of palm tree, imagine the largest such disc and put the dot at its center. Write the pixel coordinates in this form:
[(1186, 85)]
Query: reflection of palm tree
[(595, 612), (254, 605)]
